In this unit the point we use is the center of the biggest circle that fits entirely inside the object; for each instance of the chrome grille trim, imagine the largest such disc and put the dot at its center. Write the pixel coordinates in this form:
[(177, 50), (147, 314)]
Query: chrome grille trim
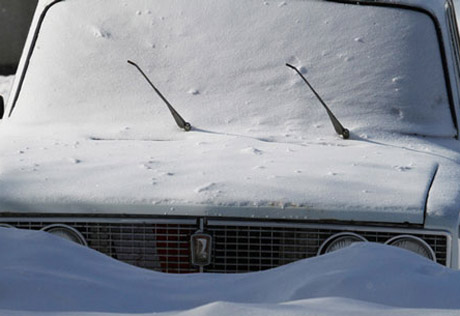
[(93, 219), (163, 244)]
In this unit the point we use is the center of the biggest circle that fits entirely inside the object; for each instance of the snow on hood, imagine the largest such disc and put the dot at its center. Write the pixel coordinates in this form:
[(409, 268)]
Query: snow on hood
[(44, 273), (367, 181)]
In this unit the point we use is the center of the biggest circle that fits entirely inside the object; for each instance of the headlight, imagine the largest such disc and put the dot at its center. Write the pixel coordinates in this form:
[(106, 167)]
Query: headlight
[(339, 241), (66, 232), (413, 244)]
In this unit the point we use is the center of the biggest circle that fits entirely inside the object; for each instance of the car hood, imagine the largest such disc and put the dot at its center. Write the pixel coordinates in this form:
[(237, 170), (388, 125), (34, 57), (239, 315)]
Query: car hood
[(220, 175)]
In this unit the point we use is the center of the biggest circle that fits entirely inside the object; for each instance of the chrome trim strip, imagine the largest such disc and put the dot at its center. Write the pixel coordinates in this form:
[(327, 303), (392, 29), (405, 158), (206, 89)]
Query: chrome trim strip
[(248, 212), (290, 224), (113, 220)]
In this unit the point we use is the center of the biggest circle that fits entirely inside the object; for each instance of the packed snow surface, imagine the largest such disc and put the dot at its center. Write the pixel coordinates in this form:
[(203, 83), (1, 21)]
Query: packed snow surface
[(45, 275)]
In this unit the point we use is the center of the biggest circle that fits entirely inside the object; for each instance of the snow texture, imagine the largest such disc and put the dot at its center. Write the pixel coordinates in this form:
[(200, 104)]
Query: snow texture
[(45, 275)]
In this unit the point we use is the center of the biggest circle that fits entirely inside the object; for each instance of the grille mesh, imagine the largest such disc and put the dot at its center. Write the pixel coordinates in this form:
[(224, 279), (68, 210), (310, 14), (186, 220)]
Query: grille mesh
[(156, 246), (162, 247), (239, 247), (253, 248)]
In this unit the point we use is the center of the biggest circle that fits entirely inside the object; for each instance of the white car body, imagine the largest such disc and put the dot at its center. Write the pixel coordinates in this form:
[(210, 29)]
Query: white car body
[(109, 162)]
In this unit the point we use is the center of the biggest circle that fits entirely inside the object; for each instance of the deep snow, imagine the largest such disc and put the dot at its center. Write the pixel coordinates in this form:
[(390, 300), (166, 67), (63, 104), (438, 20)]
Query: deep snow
[(45, 275)]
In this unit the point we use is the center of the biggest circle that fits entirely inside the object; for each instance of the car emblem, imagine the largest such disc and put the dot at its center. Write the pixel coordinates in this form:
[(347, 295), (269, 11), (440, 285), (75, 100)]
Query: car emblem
[(201, 249)]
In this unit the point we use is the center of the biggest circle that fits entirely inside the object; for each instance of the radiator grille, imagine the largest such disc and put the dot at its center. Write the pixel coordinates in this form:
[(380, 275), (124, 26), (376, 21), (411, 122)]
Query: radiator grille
[(253, 248), (156, 246), (239, 247)]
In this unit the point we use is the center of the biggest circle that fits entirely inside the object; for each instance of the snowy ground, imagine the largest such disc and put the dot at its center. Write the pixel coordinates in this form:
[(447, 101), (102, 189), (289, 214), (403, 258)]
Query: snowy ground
[(45, 275)]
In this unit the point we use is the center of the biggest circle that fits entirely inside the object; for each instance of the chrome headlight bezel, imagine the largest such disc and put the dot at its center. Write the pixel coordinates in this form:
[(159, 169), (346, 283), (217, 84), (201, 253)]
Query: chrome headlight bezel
[(418, 242), (327, 245), (67, 232)]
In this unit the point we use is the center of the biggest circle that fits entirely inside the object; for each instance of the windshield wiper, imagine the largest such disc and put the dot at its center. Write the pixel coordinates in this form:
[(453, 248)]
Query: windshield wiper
[(179, 120), (342, 131)]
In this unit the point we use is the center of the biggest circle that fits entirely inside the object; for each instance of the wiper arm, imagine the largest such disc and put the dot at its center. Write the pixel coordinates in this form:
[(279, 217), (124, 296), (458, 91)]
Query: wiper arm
[(179, 120), (342, 131)]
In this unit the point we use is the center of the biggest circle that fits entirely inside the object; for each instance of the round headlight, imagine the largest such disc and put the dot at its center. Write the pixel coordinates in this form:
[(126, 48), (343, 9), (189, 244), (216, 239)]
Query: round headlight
[(66, 232), (339, 241), (414, 244)]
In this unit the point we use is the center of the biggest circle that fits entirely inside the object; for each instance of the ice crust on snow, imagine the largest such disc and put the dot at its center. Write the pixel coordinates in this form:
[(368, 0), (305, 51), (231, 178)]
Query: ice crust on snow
[(59, 277)]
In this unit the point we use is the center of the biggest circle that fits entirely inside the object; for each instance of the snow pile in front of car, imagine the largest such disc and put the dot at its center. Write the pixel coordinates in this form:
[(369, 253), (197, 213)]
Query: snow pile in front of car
[(45, 274), (222, 64)]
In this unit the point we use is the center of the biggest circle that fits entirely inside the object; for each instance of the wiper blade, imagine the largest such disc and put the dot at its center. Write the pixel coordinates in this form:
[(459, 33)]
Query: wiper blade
[(342, 131), (179, 120)]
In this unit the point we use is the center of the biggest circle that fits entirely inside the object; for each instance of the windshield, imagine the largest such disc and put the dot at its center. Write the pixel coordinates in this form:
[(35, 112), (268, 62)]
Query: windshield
[(222, 65)]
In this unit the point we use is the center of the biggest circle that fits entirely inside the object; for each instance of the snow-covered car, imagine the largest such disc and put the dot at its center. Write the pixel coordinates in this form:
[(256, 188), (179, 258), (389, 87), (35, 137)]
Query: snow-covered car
[(172, 136)]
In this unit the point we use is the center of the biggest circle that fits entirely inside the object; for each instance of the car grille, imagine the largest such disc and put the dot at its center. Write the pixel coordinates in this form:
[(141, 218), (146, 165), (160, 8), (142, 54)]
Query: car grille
[(161, 247), (238, 246), (254, 248), (156, 246)]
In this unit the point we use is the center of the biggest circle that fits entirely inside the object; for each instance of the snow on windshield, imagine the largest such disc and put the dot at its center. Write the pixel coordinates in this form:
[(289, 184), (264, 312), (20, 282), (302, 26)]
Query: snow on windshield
[(222, 64)]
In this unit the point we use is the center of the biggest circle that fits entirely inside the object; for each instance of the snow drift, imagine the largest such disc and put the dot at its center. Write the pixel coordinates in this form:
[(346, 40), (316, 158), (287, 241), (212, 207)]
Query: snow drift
[(44, 273)]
